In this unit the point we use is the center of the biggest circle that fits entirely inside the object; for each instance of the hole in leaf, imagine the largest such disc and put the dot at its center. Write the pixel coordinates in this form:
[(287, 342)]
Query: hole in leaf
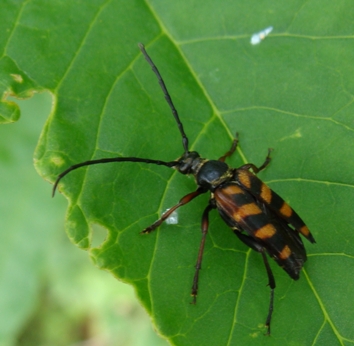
[(99, 235)]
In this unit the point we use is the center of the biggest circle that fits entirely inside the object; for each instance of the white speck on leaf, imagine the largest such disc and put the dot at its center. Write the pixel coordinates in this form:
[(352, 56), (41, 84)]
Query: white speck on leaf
[(259, 36), (173, 219)]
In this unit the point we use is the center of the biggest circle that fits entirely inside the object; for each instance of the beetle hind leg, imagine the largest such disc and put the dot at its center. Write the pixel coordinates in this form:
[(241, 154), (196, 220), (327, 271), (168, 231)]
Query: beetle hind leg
[(271, 281)]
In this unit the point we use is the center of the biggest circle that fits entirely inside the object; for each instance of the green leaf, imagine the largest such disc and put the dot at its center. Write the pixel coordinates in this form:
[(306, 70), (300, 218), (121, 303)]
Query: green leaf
[(47, 297), (293, 92)]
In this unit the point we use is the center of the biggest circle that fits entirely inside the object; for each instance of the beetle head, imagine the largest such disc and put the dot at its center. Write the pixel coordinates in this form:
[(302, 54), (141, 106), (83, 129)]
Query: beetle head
[(189, 163)]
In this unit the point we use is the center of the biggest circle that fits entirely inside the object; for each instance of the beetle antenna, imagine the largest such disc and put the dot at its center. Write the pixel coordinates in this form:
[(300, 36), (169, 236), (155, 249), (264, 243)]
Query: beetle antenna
[(107, 160), (167, 97)]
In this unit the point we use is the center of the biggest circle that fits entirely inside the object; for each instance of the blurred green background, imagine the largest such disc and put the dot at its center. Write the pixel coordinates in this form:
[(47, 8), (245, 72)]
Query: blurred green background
[(50, 292)]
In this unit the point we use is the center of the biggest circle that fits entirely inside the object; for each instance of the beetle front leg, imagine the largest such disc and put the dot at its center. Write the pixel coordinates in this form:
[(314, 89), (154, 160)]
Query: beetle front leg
[(184, 200), (232, 149)]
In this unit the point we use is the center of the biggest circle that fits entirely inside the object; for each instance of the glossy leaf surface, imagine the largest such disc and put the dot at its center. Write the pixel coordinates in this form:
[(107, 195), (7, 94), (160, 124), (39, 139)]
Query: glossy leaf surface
[(293, 92)]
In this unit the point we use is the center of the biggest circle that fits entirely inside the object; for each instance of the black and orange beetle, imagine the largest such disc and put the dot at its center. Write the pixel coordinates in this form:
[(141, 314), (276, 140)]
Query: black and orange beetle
[(257, 215)]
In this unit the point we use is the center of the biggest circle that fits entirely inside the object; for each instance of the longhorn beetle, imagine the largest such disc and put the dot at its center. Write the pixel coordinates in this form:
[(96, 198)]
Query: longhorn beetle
[(257, 215)]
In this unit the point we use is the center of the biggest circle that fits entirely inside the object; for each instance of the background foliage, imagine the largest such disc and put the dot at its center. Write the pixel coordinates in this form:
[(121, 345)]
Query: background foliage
[(50, 294), (293, 92)]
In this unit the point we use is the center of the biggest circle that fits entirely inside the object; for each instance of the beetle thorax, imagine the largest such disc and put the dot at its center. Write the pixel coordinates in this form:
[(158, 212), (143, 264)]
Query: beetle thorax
[(208, 173), (212, 173)]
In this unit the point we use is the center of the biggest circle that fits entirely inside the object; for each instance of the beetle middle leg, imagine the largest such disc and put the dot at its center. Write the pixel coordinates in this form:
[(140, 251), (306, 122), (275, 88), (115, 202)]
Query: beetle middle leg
[(198, 266), (256, 169), (271, 281)]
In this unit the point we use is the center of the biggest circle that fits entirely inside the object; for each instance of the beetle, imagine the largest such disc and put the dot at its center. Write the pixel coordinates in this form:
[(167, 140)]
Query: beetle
[(258, 216)]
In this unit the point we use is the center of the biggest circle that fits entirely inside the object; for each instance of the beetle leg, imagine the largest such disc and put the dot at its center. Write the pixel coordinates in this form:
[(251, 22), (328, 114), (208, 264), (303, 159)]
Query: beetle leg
[(256, 169), (184, 200), (232, 149), (271, 284), (198, 266), (271, 281)]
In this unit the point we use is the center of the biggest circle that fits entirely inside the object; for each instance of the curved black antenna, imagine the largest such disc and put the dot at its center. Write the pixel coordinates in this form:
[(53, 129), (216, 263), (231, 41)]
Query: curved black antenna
[(106, 160), (167, 97), (136, 159)]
